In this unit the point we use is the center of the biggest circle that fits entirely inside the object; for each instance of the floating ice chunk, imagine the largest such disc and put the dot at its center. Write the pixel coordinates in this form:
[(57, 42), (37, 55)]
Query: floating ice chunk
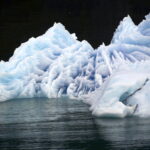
[(111, 77)]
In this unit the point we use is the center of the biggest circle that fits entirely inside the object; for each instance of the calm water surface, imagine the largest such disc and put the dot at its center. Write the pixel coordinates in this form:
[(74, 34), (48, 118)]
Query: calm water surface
[(65, 124)]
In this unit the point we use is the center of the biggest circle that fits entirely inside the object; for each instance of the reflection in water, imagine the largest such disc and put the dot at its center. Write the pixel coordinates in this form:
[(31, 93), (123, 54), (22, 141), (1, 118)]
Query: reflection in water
[(129, 133), (40, 124)]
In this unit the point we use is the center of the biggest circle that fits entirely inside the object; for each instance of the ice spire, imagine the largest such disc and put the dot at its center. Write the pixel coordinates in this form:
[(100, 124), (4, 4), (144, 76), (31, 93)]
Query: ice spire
[(144, 26), (125, 26)]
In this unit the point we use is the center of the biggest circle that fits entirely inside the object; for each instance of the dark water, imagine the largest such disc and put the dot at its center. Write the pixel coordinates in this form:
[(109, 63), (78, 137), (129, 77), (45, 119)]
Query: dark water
[(60, 124)]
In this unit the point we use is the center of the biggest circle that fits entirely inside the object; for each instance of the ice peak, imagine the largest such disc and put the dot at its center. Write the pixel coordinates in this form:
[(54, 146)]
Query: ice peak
[(147, 17), (124, 27), (58, 34), (57, 26), (58, 29), (144, 26), (126, 22)]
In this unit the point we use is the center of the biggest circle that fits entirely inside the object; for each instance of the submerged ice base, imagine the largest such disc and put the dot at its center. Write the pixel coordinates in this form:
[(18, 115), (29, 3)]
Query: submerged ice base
[(113, 79)]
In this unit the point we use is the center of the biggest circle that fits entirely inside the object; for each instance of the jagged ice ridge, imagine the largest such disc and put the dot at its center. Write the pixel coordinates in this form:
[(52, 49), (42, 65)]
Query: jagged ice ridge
[(113, 79)]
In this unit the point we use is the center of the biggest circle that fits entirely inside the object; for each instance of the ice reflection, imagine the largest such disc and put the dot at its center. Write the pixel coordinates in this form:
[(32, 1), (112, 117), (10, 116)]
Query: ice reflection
[(129, 133)]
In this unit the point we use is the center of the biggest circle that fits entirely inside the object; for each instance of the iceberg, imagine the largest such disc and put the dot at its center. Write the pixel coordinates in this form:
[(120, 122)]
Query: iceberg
[(113, 79)]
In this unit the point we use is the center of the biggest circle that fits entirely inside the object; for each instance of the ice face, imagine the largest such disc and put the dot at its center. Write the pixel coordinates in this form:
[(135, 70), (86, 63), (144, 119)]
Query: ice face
[(126, 89), (110, 78)]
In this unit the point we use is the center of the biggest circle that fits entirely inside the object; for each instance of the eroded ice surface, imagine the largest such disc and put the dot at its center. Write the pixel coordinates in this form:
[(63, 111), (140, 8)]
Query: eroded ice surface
[(113, 79)]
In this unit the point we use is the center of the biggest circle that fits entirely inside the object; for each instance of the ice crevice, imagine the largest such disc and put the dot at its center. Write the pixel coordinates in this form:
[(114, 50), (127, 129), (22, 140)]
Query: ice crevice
[(126, 95)]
